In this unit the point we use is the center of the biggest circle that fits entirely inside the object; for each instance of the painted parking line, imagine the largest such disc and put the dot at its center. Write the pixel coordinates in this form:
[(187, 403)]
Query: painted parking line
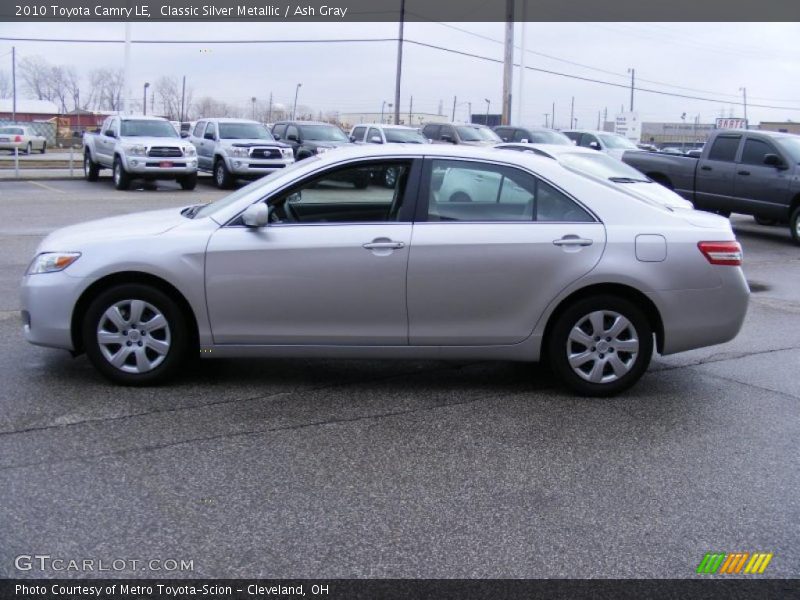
[(45, 186)]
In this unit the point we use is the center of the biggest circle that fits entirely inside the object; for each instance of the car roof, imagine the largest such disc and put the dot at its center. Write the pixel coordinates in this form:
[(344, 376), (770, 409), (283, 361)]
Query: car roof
[(227, 120), (552, 150), (385, 126), (304, 123), (595, 131), (140, 118)]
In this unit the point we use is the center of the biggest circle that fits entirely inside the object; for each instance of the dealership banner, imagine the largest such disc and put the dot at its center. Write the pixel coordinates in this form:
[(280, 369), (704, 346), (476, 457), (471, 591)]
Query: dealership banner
[(394, 10), (397, 589)]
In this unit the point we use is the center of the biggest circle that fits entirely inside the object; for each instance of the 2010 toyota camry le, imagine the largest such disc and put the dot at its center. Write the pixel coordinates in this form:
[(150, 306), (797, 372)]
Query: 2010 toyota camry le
[(472, 254)]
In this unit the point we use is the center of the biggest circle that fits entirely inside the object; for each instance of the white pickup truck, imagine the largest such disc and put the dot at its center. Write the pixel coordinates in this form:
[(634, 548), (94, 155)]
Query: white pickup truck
[(139, 147)]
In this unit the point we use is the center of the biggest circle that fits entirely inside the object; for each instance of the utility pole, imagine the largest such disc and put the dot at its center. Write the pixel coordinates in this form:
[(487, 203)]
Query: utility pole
[(126, 91), (488, 104), (605, 117), (183, 97), (598, 120), (411, 111), (522, 52), (546, 123), (13, 83), (744, 97), (553, 117), (508, 63), (469, 107), (572, 113), (144, 97), (269, 117), (399, 64), (253, 102), (633, 84), (453, 118)]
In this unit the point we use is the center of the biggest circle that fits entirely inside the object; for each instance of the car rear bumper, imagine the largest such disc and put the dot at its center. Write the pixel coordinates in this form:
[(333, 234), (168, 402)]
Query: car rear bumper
[(703, 317)]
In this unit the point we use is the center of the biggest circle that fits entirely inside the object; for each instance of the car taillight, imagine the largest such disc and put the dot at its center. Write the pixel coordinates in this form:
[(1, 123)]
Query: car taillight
[(17, 138), (722, 253)]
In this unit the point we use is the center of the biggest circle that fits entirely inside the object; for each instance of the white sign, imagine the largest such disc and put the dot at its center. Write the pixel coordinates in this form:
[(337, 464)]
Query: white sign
[(628, 125), (731, 124)]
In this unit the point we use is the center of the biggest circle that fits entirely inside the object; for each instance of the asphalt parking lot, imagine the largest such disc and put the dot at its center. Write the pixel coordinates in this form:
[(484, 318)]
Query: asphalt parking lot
[(332, 468)]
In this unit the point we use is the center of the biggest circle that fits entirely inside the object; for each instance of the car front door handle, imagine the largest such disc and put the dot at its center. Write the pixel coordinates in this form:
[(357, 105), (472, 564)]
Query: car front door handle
[(744, 172), (383, 245), (572, 240), (706, 168)]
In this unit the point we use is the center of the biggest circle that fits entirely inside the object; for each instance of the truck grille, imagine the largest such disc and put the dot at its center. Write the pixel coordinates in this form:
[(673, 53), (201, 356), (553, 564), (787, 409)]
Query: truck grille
[(164, 152), (265, 153)]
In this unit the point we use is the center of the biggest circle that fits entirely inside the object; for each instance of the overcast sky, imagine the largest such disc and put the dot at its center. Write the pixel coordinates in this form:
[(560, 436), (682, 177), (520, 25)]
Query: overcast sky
[(709, 60)]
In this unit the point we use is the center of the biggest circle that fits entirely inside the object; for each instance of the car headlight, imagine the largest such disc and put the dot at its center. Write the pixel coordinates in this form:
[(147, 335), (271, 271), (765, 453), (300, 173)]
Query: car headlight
[(287, 152), (237, 151), (51, 262), (190, 151), (136, 150)]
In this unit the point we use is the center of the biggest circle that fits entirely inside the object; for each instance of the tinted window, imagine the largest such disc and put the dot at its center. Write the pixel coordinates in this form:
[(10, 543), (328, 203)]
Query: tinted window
[(210, 131), (358, 133), (279, 129), (198, 129), (372, 134), (465, 191), (573, 135), (431, 132), (522, 134), (291, 130), (724, 148), (587, 139), (755, 150), (352, 194), (505, 133), (323, 133)]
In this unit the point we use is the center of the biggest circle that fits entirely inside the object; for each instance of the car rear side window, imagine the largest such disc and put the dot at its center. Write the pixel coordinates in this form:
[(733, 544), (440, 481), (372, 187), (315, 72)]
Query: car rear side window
[(724, 148), (431, 132), (755, 150), (471, 191), (279, 129)]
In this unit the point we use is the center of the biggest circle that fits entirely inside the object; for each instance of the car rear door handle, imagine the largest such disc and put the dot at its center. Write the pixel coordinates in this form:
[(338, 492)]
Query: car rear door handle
[(383, 245), (744, 172), (572, 240), (706, 168)]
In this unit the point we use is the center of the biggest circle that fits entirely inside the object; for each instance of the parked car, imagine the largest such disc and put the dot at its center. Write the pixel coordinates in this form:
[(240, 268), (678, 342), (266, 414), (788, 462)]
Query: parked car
[(748, 172), (460, 133), (672, 150), (610, 143), (603, 167), (543, 262), (237, 149), (139, 147), (22, 139), (308, 138), (377, 133), (695, 152), (532, 135)]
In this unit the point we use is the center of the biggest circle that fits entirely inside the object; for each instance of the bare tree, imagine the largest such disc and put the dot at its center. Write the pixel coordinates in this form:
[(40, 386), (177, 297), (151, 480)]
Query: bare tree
[(209, 107), (5, 85), (35, 73), (105, 89), (170, 92)]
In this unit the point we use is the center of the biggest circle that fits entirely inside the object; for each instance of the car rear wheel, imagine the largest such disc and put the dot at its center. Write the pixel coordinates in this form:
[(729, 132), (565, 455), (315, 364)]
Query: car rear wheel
[(601, 345), (122, 180), (29, 148), (135, 334), (222, 177), (91, 170), (794, 224), (188, 182), (44, 147), (390, 177)]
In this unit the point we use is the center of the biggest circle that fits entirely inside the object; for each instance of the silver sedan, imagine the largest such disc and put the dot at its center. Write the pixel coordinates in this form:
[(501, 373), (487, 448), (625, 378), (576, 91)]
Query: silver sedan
[(472, 254), (22, 139)]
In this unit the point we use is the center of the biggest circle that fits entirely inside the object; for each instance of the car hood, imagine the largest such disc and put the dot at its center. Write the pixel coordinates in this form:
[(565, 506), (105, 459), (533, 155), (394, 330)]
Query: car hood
[(74, 237), (618, 152), (154, 141)]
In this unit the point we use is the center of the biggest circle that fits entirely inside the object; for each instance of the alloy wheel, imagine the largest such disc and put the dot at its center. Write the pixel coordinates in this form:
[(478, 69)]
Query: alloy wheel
[(602, 346), (134, 336)]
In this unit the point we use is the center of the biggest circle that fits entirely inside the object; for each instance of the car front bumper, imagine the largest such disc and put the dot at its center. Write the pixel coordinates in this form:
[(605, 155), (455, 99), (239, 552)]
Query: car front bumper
[(47, 304), (253, 167), (156, 167)]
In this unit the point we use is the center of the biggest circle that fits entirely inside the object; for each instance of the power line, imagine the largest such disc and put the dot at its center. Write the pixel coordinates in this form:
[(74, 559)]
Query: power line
[(201, 42)]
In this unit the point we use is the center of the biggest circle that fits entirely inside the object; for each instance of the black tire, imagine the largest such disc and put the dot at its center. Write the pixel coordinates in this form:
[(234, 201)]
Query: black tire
[(633, 365), (794, 225), (44, 148), (29, 149), (188, 182), (390, 177), (122, 181), (460, 197), (178, 337), (767, 222), (222, 177), (91, 170)]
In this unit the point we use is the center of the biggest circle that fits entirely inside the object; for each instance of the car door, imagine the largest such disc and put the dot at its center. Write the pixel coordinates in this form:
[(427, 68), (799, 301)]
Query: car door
[(106, 142), (492, 246), (293, 138), (330, 268), (205, 151), (715, 178), (761, 189)]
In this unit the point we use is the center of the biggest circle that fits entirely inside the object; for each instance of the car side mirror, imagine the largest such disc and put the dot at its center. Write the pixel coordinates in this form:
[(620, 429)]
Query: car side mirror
[(256, 215), (352, 138), (773, 160), (292, 138), (375, 139), (594, 145), (184, 134), (277, 136), (110, 133), (209, 136)]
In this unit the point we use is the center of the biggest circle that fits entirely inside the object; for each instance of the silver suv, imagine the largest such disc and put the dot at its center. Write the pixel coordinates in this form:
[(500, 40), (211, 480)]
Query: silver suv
[(237, 149)]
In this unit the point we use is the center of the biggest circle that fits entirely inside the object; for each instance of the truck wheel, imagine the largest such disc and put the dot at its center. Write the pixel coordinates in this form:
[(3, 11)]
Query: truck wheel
[(135, 334), (122, 180), (91, 170), (188, 182), (222, 177), (44, 147), (765, 221), (794, 224), (600, 345)]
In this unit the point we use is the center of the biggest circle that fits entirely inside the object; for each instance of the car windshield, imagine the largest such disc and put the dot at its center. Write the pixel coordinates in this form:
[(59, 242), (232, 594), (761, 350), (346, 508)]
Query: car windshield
[(488, 135), (550, 137), (211, 208), (14, 130), (244, 131), (404, 136), (791, 146), (617, 142), (600, 165), (322, 133), (148, 128)]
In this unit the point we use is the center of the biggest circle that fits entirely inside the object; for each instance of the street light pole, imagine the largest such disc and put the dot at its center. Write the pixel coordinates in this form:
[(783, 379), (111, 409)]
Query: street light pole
[(296, 92), (744, 97), (144, 97), (488, 104), (546, 122), (13, 84), (633, 80), (399, 72)]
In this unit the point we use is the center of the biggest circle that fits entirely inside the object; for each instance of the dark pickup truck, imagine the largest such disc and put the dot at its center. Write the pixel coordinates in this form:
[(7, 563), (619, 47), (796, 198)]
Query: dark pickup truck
[(749, 172)]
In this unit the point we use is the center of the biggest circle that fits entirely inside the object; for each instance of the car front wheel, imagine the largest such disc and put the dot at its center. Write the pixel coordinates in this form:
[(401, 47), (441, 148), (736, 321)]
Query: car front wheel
[(135, 334), (222, 177), (122, 180), (794, 224), (601, 345), (91, 170)]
